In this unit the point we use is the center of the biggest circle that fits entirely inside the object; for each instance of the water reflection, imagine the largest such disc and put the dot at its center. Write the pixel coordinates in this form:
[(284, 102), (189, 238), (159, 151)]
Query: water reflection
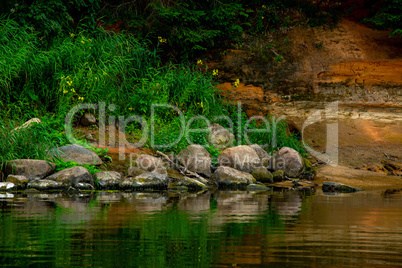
[(223, 228)]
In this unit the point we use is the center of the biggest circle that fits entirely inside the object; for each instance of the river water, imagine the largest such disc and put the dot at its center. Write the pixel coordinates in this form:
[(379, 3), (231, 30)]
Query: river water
[(281, 228)]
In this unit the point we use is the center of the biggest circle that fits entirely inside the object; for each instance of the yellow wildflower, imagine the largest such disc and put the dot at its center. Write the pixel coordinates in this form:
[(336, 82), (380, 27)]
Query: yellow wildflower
[(264, 6), (80, 98), (215, 72), (199, 62), (72, 35), (82, 41), (162, 40), (104, 73), (65, 91), (237, 83), (131, 109), (69, 83), (73, 90), (96, 78), (262, 17), (90, 40)]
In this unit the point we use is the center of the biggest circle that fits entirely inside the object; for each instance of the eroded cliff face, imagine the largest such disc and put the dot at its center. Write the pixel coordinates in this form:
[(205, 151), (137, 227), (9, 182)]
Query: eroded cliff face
[(356, 66)]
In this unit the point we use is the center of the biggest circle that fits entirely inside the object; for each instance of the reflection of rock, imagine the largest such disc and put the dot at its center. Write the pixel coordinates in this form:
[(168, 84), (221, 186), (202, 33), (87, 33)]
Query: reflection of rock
[(286, 203), (195, 203), (147, 201)]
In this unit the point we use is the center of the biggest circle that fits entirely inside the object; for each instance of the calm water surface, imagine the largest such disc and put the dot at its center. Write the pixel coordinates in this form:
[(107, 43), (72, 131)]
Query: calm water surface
[(222, 229)]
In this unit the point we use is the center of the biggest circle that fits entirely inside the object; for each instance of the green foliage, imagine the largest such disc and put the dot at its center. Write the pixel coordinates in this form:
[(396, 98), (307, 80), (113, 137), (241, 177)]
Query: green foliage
[(389, 16), (61, 164)]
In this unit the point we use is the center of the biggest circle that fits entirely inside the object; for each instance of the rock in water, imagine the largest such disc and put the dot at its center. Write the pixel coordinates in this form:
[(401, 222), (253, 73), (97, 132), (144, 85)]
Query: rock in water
[(72, 176), (195, 158), (290, 161), (148, 180), (242, 158), (30, 168), (230, 177), (338, 187), (76, 153), (108, 179), (262, 174), (43, 185)]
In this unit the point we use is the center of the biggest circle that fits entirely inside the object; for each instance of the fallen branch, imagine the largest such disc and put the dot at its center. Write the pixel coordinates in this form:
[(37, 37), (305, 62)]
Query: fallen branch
[(183, 170)]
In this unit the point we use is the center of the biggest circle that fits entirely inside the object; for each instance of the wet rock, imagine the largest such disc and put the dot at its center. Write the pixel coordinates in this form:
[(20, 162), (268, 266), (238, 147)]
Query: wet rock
[(108, 179), (242, 158), (84, 186), (262, 174), (290, 161), (278, 175), (19, 180), (257, 187), (220, 137), (43, 185), (338, 187), (76, 153), (88, 119), (148, 180), (195, 158), (262, 154), (189, 183), (150, 163), (230, 177), (134, 171), (30, 168), (7, 186), (72, 176)]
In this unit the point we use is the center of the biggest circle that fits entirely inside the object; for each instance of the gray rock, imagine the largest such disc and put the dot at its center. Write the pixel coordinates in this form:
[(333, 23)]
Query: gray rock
[(195, 158), (262, 154), (257, 187), (278, 175), (338, 187), (108, 179), (220, 137), (262, 174), (148, 180), (72, 176), (19, 180), (230, 177), (43, 185), (242, 158), (290, 161), (150, 163), (30, 168), (7, 186), (76, 153), (189, 183), (134, 171), (88, 119)]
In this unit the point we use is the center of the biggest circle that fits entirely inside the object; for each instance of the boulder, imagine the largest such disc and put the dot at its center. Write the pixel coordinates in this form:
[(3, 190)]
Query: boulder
[(88, 119), (290, 161), (338, 187), (195, 158), (19, 180), (242, 158), (150, 163), (43, 185), (148, 180), (30, 168), (76, 153), (278, 175), (230, 177), (72, 176), (262, 174), (220, 137), (262, 154), (108, 179)]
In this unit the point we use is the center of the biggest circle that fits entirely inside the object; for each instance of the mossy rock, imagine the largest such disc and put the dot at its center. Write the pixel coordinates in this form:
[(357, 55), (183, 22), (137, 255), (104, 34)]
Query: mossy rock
[(262, 174), (307, 165), (278, 175)]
